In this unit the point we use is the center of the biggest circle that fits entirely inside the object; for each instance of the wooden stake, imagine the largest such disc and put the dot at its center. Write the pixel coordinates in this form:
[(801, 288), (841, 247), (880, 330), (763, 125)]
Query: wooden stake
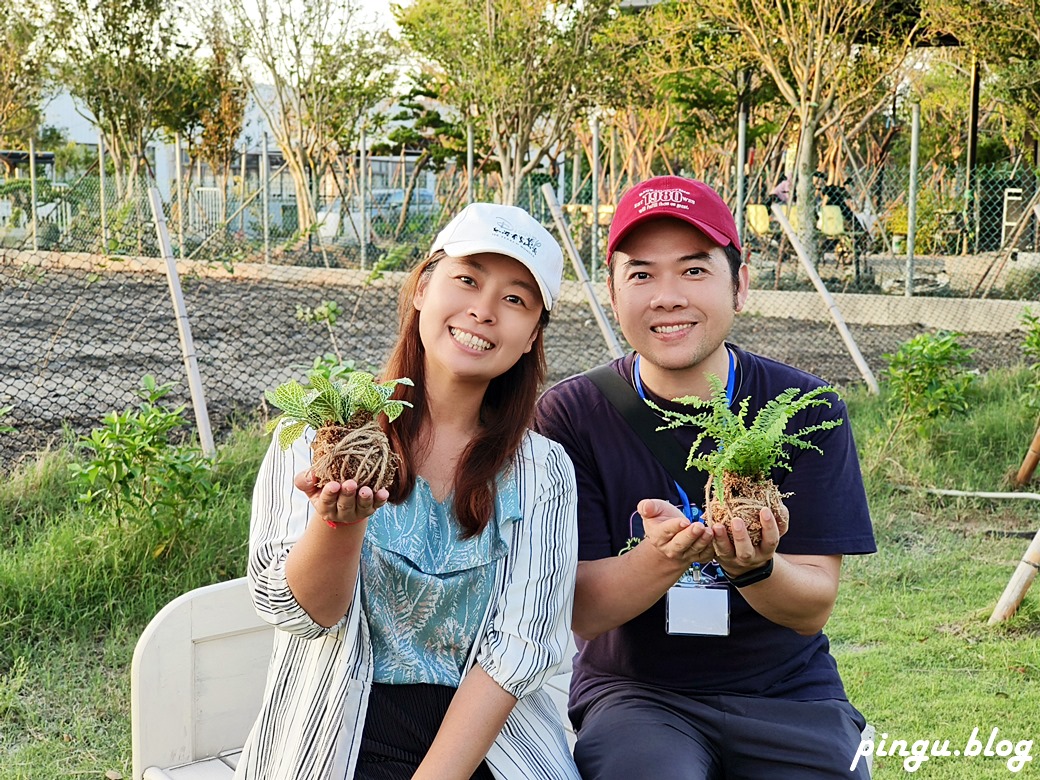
[(1029, 464), (1016, 589)]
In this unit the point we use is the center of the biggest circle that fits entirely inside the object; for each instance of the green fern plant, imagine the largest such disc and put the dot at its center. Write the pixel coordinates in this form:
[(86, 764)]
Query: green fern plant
[(746, 453), (349, 443)]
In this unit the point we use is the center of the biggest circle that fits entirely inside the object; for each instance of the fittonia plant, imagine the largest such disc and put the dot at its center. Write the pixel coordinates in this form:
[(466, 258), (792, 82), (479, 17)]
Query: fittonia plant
[(349, 443)]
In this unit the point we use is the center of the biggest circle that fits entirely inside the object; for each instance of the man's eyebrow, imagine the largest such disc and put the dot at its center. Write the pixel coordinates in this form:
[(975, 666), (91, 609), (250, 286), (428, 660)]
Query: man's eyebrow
[(635, 262)]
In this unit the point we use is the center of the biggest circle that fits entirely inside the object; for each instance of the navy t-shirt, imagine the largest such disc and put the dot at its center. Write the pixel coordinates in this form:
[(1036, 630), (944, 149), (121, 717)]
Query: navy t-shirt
[(615, 470)]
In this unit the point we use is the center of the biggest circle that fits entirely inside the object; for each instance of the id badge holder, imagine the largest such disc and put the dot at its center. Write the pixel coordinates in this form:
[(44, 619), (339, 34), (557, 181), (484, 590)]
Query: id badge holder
[(697, 610)]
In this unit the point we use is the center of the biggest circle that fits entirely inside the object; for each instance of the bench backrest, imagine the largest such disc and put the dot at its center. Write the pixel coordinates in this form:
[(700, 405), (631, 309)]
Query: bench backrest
[(197, 677)]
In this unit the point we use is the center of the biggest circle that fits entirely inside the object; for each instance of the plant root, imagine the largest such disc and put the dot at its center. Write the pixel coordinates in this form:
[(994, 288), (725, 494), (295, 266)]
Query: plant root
[(358, 451), (743, 497)]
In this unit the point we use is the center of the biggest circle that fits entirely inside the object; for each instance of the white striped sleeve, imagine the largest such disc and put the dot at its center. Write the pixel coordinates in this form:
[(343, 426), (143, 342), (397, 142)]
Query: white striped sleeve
[(530, 631), (280, 513)]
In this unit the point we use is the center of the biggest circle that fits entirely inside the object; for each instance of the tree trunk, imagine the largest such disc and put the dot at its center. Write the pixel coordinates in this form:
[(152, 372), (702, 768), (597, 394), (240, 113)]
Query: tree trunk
[(805, 192), (406, 201)]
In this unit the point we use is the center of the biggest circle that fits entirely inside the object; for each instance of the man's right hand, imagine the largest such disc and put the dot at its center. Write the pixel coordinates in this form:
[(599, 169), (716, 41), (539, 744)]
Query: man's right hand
[(674, 537)]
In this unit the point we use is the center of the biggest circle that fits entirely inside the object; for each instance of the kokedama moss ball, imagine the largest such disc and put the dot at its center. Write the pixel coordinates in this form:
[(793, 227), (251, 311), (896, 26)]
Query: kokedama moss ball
[(358, 451), (744, 497)]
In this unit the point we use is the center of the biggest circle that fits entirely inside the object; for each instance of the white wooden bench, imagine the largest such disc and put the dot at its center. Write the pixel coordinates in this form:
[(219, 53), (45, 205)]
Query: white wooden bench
[(197, 679)]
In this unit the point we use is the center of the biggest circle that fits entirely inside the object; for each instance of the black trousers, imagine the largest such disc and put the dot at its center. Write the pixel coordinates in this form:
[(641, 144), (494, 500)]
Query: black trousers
[(400, 725), (717, 737)]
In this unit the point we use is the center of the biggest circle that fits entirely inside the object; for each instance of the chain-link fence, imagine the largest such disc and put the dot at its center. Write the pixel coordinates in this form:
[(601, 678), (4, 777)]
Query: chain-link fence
[(86, 311)]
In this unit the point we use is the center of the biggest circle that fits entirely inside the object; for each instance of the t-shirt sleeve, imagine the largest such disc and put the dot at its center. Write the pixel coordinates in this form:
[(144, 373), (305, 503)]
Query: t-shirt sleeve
[(556, 420)]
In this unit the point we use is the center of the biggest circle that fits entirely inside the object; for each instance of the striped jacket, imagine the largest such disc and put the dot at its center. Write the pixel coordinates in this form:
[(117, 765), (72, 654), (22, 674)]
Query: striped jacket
[(313, 713)]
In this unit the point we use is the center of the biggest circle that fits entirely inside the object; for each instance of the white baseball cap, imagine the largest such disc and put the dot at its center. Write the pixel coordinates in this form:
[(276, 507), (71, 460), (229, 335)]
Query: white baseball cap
[(509, 231)]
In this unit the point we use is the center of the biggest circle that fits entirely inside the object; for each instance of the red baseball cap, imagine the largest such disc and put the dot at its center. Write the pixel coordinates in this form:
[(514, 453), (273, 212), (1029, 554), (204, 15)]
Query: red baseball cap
[(674, 196)]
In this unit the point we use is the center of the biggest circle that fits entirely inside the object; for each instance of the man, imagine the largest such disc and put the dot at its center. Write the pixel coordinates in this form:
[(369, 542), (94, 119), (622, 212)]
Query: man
[(764, 700)]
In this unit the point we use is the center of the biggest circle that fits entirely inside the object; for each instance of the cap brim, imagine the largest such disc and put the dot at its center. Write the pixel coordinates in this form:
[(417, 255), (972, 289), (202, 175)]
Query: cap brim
[(714, 234)]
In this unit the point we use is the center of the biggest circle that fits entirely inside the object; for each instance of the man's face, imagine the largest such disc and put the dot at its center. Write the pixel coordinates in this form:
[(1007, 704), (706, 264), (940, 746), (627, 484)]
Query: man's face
[(673, 294)]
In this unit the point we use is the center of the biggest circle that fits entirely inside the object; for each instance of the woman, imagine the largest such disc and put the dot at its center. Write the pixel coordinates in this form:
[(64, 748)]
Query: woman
[(417, 626)]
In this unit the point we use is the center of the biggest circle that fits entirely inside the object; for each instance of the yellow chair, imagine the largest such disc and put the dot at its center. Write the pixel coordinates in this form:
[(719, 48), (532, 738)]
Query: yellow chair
[(791, 212), (757, 217), (831, 221)]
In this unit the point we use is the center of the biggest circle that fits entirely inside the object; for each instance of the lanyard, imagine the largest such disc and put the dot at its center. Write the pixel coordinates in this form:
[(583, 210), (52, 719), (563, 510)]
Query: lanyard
[(693, 513)]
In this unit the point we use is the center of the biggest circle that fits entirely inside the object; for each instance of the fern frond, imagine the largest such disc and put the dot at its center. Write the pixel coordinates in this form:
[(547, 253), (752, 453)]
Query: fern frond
[(752, 450)]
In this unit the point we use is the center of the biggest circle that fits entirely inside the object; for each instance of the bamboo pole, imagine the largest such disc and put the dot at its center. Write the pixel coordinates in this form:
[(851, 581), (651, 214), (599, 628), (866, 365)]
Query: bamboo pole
[(1027, 568), (191, 365), (1020, 581), (828, 299), (609, 336), (1029, 464)]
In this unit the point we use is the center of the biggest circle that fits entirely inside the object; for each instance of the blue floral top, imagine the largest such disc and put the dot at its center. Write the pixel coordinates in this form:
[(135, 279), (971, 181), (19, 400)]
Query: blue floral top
[(424, 590)]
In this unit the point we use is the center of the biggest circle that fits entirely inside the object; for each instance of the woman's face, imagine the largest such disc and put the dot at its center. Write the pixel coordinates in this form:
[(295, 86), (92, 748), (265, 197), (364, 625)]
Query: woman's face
[(477, 315)]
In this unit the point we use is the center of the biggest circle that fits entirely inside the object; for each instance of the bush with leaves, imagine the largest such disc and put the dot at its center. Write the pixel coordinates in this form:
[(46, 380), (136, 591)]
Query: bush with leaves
[(928, 378), (135, 474), (739, 465), (327, 312), (1031, 341), (4, 427), (349, 443)]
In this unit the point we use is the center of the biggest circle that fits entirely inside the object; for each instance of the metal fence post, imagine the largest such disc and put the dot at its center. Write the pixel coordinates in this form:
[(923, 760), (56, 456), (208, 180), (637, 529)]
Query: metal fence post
[(469, 163), (561, 176), (742, 117), (101, 185), (266, 210), (911, 206), (363, 196), (32, 193), (242, 188), (594, 251), (179, 173)]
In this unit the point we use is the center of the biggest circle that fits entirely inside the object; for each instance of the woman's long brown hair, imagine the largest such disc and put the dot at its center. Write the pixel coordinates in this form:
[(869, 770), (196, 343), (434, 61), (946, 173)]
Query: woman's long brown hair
[(505, 413)]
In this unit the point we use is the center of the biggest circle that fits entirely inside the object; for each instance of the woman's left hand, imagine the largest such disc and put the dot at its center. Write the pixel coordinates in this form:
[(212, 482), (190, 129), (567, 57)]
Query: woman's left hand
[(342, 503)]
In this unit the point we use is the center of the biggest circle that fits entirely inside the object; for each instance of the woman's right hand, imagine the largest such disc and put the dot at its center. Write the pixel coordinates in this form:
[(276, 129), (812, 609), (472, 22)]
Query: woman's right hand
[(340, 503)]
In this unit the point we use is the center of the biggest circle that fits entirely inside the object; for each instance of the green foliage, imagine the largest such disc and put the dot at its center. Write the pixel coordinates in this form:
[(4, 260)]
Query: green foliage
[(331, 402), (4, 427), (750, 451), (327, 312), (933, 210), (134, 474), (25, 53), (928, 377), (11, 684), (546, 54), (1031, 342), (331, 367)]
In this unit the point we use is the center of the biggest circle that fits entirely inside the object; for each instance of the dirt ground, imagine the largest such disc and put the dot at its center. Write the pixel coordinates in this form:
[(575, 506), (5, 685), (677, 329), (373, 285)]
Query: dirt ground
[(74, 345)]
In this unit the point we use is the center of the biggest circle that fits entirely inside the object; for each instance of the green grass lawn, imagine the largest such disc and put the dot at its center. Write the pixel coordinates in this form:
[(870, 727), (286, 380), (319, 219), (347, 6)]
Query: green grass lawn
[(910, 629)]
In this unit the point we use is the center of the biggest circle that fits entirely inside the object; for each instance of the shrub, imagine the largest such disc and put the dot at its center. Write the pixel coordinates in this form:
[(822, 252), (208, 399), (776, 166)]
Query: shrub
[(134, 474), (929, 378)]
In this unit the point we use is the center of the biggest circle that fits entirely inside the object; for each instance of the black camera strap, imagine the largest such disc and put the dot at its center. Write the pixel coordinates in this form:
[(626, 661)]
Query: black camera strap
[(645, 423)]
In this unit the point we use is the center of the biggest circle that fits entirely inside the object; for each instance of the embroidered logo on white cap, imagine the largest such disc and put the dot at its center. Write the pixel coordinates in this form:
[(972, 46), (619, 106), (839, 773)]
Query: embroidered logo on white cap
[(509, 231)]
